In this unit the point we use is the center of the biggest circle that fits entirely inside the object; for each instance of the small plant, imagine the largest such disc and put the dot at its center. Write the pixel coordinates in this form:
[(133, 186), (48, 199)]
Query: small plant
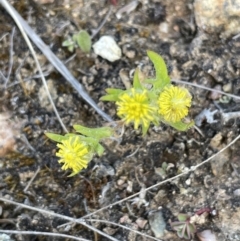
[(82, 39), (161, 102), (76, 151), (148, 101), (185, 229)]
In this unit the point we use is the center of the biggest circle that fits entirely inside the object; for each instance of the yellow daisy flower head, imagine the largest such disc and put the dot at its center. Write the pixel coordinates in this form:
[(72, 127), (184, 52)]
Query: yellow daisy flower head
[(74, 153), (135, 107), (174, 103)]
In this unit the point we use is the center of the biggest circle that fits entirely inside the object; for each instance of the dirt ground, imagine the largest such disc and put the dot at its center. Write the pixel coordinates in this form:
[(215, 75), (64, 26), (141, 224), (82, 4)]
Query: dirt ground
[(204, 56)]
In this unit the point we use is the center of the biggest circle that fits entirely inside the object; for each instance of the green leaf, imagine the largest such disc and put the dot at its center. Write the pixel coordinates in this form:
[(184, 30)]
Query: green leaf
[(114, 91), (96, 147), (177, 225), (145, 129), (96, 133), (67, 43), (136, 80), (112, 95), (71, 48), (162, 79), (182, 217), (181, 126), (182, 232), (190, 230), (99, 149), (56, 137), (83, 40)]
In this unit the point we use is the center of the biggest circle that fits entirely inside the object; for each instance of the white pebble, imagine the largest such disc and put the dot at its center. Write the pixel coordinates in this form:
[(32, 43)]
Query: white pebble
[(236, 192), (107, 48), (188, 182)]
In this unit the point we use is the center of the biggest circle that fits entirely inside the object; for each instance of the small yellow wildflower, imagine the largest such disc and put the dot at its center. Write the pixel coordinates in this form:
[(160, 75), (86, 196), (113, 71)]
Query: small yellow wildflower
[(74, 153), (174, 103), (135, 107)]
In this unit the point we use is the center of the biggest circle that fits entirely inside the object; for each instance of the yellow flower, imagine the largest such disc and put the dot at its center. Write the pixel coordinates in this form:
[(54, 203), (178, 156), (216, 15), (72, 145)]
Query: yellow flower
[(74, 153), (174, 103), (135, 107)]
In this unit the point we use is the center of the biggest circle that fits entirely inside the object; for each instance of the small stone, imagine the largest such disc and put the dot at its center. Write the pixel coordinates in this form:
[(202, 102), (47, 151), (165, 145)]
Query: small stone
[(206, 235), (218, 16), (141, 222), (5, 237), (43, 96), (216, 141), (120, 182), (107, 48), (130, 186), (229, 223), (110, 231), (218, 162), (215, 95), (163, 27), (236, 192), (188, 182), (227, 87), (157, 223)]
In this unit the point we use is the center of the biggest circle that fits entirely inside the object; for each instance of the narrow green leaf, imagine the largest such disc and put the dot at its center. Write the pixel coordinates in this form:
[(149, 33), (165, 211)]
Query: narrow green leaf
[(114, 91), (109, 98), (96, 133), (145, 129), (100, 149), (112, 94), (67, 43), (136, 80), (71, 48), (56, 137), (162, 79), (83, 40)]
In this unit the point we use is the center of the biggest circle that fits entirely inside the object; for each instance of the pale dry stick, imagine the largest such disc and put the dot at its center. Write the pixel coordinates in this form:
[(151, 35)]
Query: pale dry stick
[(8, 220), (198, 130), (16, 19), (55, 61), (124, 227), (49, 71), (4, 35), (43, 234), (17, 72), (31, 180), (236, 36), (36, 76), (25, 140), (205, 88), (2, 75), (134, 153), (4, 78), (95, 31), (21, 64), (10, 57), (49, 213), (193, 168), (127, 8), (82, 222)]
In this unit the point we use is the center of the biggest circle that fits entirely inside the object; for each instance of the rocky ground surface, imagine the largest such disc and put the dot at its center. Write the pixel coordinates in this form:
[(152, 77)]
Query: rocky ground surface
[(199, 42)]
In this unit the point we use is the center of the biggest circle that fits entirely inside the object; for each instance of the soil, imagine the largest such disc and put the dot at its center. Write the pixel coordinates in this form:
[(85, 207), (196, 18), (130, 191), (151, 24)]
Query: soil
[(192, 55)]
